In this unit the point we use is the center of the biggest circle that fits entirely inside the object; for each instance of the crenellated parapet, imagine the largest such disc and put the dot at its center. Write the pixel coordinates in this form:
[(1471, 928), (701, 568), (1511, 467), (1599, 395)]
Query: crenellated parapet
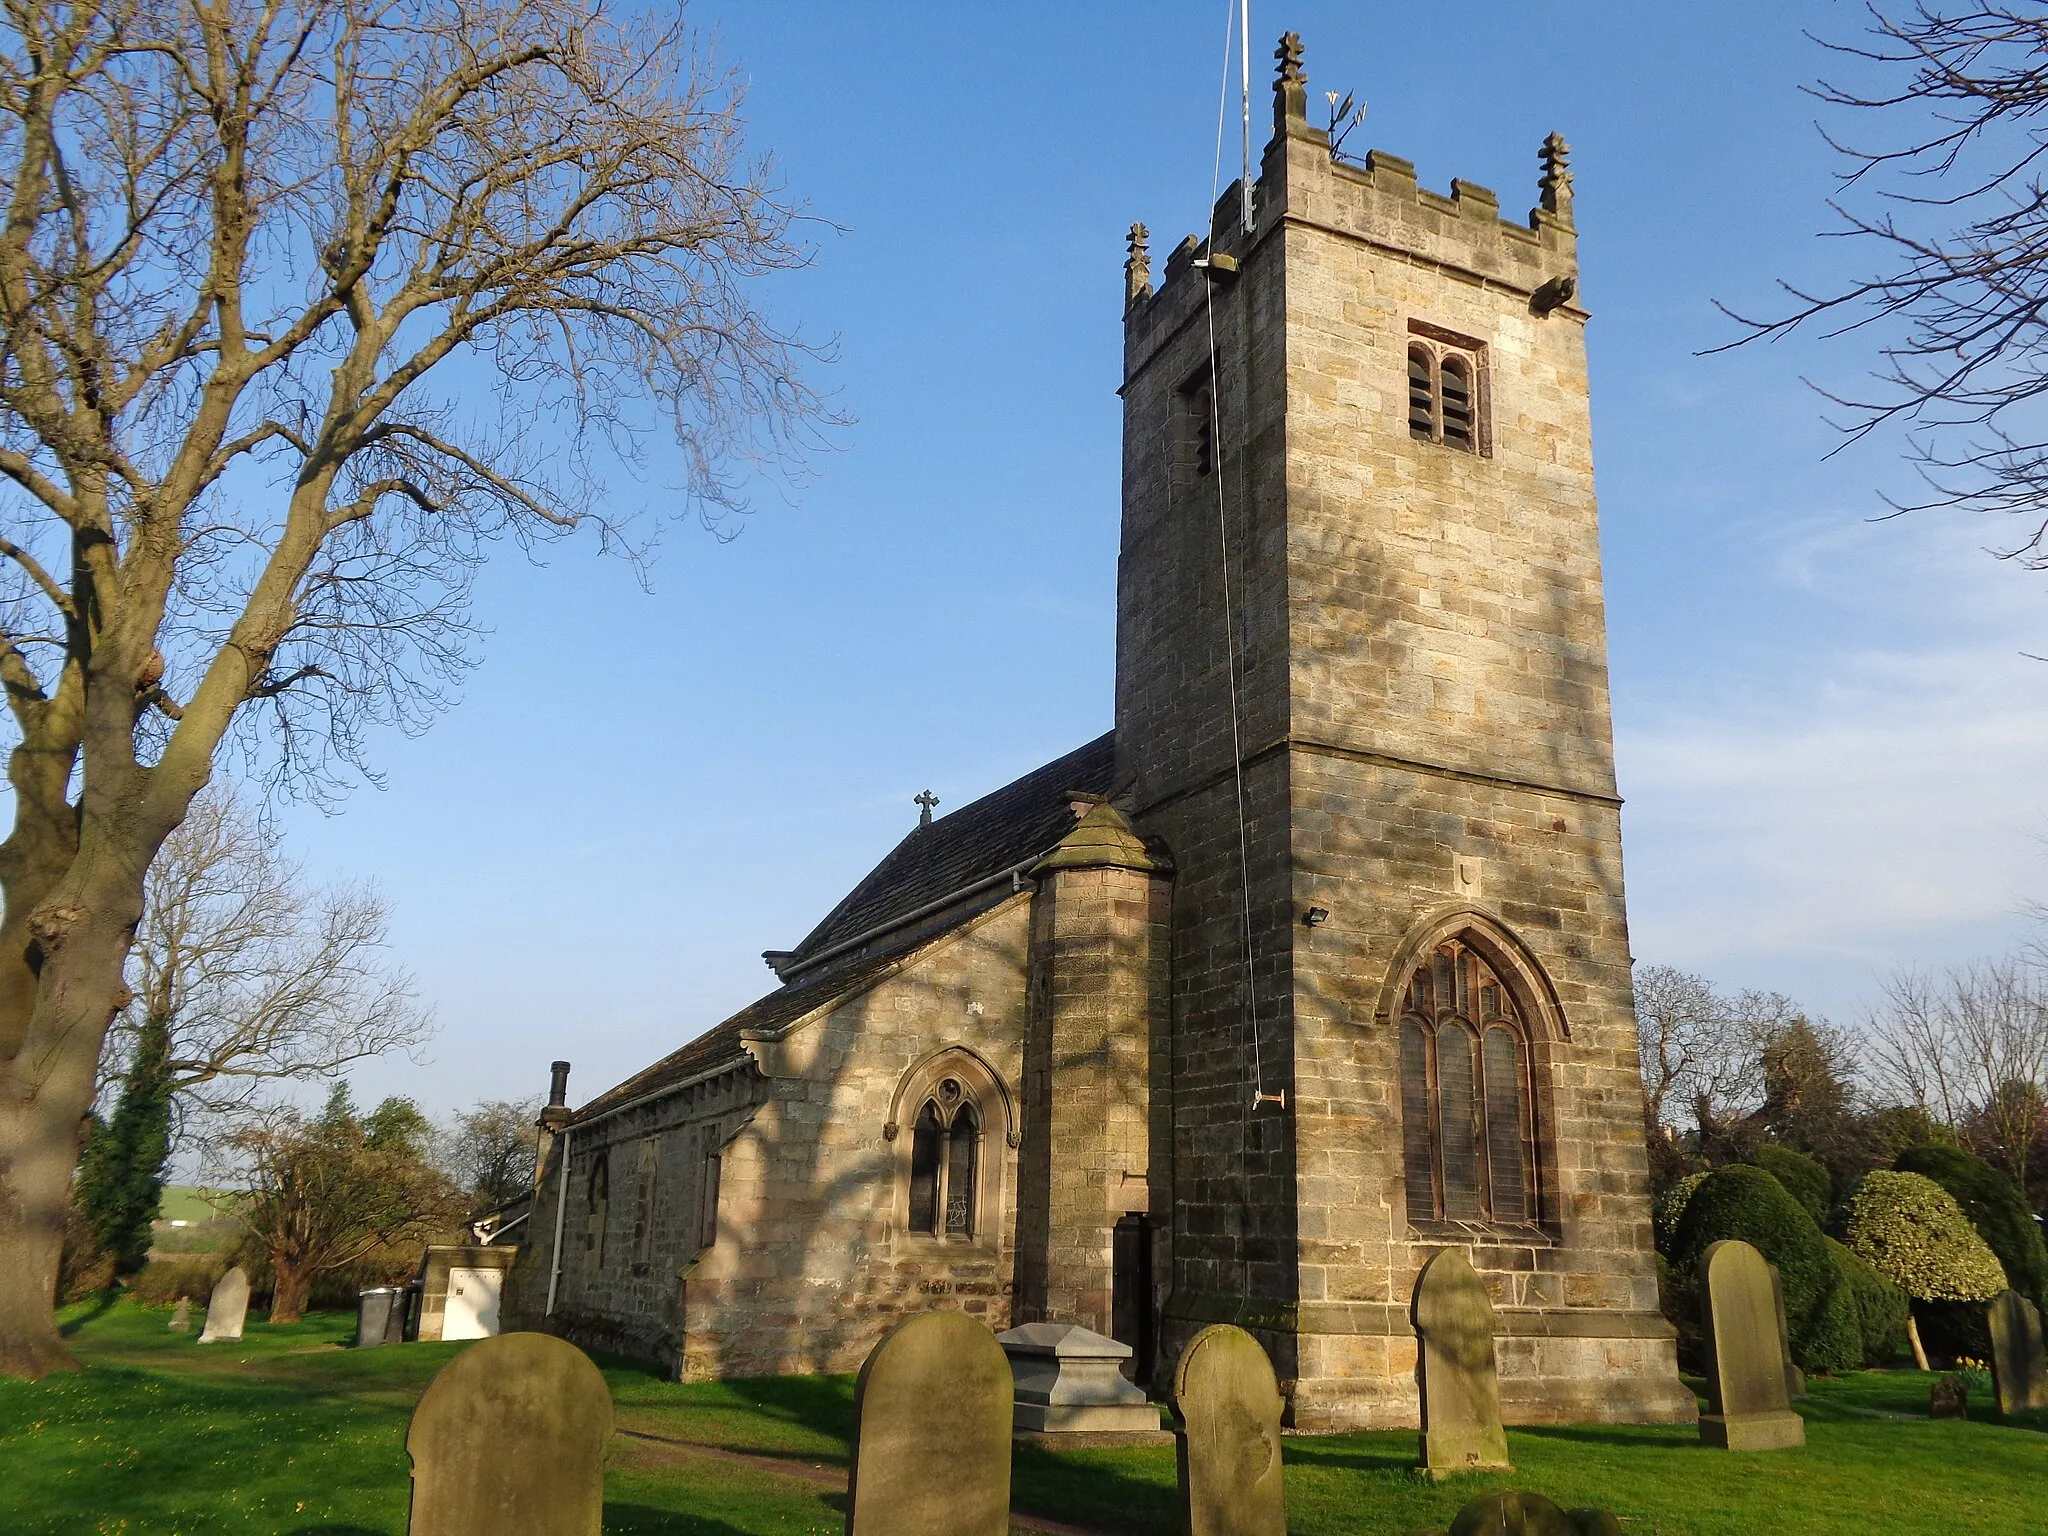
[(1378, 204)]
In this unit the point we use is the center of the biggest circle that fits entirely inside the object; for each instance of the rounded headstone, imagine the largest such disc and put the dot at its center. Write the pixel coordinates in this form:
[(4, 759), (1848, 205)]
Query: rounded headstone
[(931, 1432), (2018, 1369), (228, 1308), (1511, 1514), (511, 1436), (1461, 1428), (1229, 1406)]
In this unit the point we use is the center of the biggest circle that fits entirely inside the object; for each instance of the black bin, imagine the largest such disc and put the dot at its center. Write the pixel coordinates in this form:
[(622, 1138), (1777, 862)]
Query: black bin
[(380, 1316)]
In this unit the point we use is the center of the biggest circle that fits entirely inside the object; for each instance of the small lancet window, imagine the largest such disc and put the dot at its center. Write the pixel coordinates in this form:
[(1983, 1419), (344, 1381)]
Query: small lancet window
[(945, 1164), (597, 1210), (1421, 393), (1203, 404), (1457, 398), (1446, 395), (1468, 1138)]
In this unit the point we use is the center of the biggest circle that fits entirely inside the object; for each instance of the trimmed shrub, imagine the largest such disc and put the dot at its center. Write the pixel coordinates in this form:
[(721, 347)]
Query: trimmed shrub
[(1745, 1203), (1836, 1342), (1670, 1206), (1881, 1307), (1910, 1230), (1995, 1207), (1804, 1179)]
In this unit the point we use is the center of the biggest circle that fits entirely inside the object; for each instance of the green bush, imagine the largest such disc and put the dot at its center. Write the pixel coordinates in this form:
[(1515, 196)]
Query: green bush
[(1670, 1206), (1836, 1343), (1804, 1179), (1996, 1208), (1880, 1306), (1910, 1230), (1745, 1203)]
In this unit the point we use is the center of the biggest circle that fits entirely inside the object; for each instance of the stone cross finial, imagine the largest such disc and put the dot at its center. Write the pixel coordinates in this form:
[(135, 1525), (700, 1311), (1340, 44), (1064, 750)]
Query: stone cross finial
[(1289, 55), (1138, 267), (1555, 185), (926, 803)]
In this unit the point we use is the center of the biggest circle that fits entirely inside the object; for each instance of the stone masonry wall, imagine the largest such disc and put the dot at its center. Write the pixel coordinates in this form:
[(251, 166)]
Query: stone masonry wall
[(1424, 726), (1099, 972), (813, 1262)]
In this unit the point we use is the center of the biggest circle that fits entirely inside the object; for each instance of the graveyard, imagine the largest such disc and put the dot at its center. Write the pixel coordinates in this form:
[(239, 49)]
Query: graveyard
[(289, 1431)]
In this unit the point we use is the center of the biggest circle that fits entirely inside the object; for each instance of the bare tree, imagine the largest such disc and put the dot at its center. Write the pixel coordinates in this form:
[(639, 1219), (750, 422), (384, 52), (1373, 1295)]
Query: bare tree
[(1955, 206), (288, 290), (1678, 1035), (256, 977), (491, 1149), (1970, 1049)]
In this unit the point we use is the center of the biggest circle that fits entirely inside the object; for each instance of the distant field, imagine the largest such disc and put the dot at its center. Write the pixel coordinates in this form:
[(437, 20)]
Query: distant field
[(185, 1202)]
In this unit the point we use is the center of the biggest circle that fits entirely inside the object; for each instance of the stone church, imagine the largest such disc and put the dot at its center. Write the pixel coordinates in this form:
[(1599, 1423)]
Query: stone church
[(1315, 964)]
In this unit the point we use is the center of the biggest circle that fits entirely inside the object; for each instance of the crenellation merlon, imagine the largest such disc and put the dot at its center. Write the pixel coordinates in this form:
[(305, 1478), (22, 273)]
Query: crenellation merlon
[(1381, 203)]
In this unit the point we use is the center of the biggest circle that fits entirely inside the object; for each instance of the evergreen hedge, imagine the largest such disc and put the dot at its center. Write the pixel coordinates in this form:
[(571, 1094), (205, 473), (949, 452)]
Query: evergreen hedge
[(1880, 1306), (1670, 1206), (1996, 1208), (1804, 1179), (1745, 1203)]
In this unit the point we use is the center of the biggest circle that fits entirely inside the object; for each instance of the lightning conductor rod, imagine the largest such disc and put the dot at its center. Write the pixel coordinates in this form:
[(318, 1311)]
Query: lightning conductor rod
[(1244, 94)]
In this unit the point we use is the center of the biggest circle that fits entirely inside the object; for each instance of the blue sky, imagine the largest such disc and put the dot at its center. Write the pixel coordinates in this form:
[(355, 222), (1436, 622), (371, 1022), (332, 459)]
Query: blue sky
[(1827, 726)]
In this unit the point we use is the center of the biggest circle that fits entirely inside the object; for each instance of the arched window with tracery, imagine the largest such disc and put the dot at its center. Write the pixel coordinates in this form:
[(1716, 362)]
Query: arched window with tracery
[(945, 1162), (1468, 1130)]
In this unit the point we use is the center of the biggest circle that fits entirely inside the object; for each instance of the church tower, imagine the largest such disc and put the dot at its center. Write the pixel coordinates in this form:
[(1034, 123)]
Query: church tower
[(1358, 483)]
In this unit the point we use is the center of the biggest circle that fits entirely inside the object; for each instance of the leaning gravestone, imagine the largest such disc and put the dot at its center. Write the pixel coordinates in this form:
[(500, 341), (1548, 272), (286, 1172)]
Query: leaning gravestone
[(510, 1436), (1229, 1445), (931, 1432), (1745, 1355), (227, 1308), (1461, 1429), (1795, 1378), (2017, 1366), (181, 1315)]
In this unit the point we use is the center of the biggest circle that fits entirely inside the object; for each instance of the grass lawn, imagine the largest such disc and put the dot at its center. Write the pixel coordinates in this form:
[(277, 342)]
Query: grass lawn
[(288, 1432)]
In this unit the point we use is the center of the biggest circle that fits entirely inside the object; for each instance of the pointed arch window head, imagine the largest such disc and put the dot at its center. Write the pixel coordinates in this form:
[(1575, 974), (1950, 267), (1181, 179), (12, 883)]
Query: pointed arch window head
[(1468, 1135), (945, 1163)]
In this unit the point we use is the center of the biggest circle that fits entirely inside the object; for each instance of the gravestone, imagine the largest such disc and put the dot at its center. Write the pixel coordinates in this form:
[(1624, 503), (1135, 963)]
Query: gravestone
[(1745, 1355), (227, 1308), (1949, 1398), (1229, 1445), (181, 1315), (1071, 1388), (931, 1432), (1527, 1514), (1795, 1378), (2017, 1366), (1461, 1429), (511, 1436)]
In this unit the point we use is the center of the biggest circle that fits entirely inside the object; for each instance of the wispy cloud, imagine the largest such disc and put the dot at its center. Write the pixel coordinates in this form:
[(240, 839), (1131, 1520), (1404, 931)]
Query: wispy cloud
[(1872, 794)]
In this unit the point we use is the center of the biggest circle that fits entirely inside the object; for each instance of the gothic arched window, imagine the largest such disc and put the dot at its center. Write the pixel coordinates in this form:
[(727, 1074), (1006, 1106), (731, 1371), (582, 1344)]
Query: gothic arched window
[(1468, 1136), (945, 1163)]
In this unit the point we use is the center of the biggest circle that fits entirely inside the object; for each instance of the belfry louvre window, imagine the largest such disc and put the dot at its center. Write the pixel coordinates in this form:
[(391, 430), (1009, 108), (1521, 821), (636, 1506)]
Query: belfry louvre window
[(1467, 1130), (1446, 390), (945, 1158)]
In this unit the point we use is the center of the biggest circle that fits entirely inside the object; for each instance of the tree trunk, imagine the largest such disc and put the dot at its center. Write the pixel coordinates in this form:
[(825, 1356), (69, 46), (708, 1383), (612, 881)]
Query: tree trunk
[(1913, 1338), (82, 932), (294, 1285)]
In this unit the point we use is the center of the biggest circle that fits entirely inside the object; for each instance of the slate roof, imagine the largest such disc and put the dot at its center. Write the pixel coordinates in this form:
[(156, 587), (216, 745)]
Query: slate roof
[(999, 831), (720, 1045), (1023, 819)]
